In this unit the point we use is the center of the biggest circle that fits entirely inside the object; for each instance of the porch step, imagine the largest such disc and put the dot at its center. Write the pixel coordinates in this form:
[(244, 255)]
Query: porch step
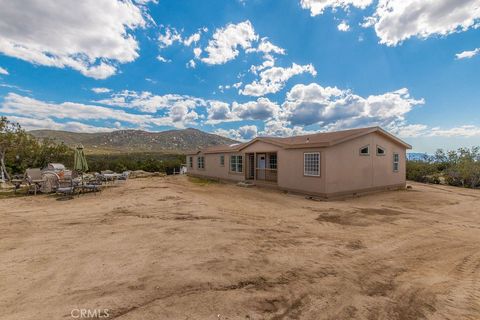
[(246, 184)]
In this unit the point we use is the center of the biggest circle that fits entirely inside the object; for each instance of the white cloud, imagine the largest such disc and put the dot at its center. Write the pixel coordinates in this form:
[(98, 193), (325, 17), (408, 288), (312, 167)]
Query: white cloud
[(191, 64), (178, 110), (18, 105), (226, 41), (261, 109), (343, 26), (467, 54), (317, 7), (150, 103), (422, 130), (398, 20), (462, 131), (47, 123), (337, 109), (4, 71), (101, 90), (89, 36), (282, 128), (243, 133), (266, 47), (162, 59), (218, 112), (169, 37), (194, 38), (273, 79), (197, 52)]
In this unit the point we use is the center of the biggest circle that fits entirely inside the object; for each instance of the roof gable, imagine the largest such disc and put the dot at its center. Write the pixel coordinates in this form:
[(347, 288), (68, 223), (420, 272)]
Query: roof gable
[(316, 140)]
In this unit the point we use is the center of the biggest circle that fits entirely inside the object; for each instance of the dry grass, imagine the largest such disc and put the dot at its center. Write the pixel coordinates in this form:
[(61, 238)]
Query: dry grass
[(174, 248)]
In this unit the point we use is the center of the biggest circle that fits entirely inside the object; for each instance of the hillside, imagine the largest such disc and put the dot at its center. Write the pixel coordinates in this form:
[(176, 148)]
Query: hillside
[(123, 141)]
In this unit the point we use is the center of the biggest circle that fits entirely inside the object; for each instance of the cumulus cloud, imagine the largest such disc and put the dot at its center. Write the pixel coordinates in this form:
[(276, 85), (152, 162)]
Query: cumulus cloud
[(226, 41), (343, 26), (178, 110), (47, 123), (169, 37), (273, 79), (397, 20), (101, 90), (317, 7), (261, 109), (150, 103), (4, 71), (282, 128), (243, 133), (218, 112), (335, 108), (467, 54), (89, 36)]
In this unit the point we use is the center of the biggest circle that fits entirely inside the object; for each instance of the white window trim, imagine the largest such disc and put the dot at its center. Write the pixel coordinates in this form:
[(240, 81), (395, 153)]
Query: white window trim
[(396, 162), (304, 164), (364, 154), (237, 163), (220, 159), (203, 163), (382, 148)]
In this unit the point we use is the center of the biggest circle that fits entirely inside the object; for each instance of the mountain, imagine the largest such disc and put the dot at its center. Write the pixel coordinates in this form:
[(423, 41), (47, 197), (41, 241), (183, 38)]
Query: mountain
[(416, 156), (126, 141)]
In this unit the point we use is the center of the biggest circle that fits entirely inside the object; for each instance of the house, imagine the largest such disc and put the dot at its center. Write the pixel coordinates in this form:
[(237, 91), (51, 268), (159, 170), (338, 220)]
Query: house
[(327, 165)]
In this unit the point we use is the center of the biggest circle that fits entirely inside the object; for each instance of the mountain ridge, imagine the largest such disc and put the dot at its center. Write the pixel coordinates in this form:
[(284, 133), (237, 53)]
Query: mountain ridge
[(131, 141)]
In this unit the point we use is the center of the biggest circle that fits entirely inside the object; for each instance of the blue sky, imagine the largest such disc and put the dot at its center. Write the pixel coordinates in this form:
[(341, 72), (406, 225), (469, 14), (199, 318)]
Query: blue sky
[(245, 68)]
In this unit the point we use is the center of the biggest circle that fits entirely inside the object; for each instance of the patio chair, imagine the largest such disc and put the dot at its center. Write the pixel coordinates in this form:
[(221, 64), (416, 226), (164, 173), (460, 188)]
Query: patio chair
[(66, 187), (94, 184), (34, 179)]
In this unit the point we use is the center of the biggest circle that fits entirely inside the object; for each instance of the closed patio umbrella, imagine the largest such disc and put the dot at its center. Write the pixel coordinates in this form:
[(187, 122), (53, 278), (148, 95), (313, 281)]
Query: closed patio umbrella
[(79, 160)]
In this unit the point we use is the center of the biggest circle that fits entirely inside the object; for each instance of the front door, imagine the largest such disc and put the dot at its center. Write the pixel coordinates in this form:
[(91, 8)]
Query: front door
[(261, 165), (251, 166)]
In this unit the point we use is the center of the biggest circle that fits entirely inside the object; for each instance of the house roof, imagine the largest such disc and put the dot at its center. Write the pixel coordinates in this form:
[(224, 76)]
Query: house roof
[(319, 140)]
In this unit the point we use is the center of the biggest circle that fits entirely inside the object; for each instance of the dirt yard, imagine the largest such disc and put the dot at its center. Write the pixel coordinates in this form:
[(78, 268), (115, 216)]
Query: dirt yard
[(171, 248)]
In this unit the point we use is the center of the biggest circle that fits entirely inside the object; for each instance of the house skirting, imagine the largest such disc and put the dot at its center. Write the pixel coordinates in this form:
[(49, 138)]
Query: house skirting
[(323, 196)]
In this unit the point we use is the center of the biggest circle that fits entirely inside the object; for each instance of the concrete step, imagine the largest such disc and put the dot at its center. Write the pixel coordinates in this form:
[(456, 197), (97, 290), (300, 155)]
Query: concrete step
[(246, 184)]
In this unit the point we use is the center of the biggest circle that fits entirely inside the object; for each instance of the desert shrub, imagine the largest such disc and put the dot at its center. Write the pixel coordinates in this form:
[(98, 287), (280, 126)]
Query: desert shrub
[(455, 168)]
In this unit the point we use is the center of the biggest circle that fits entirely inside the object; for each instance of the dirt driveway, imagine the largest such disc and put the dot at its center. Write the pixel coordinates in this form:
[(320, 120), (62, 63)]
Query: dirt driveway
[(170, 248)]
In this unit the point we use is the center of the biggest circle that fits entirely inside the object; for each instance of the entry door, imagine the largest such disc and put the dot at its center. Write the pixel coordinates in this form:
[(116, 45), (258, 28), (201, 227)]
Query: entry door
[(251, 166), (261, 165)]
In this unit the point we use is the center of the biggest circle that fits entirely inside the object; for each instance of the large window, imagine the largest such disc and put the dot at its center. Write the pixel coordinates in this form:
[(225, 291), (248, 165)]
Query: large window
[(272, 161), (311, 164), (190, 162), (222, 160), (396, 162), (201, 162), (236, 163)]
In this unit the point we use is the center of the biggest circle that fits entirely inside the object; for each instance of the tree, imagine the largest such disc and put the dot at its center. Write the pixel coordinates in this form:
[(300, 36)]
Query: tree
[(11, 136)]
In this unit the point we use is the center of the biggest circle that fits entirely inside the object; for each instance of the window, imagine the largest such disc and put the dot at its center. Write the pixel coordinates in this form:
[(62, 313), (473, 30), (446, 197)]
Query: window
[(396, 162), (222, 160), (201, 162), (380, 151), (365, 151), (236, 163), (190, 162), (272, 161), (311, 164)]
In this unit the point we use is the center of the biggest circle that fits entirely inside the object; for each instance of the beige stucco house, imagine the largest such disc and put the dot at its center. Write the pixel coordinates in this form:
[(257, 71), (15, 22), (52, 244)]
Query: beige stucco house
[(327, 164)]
